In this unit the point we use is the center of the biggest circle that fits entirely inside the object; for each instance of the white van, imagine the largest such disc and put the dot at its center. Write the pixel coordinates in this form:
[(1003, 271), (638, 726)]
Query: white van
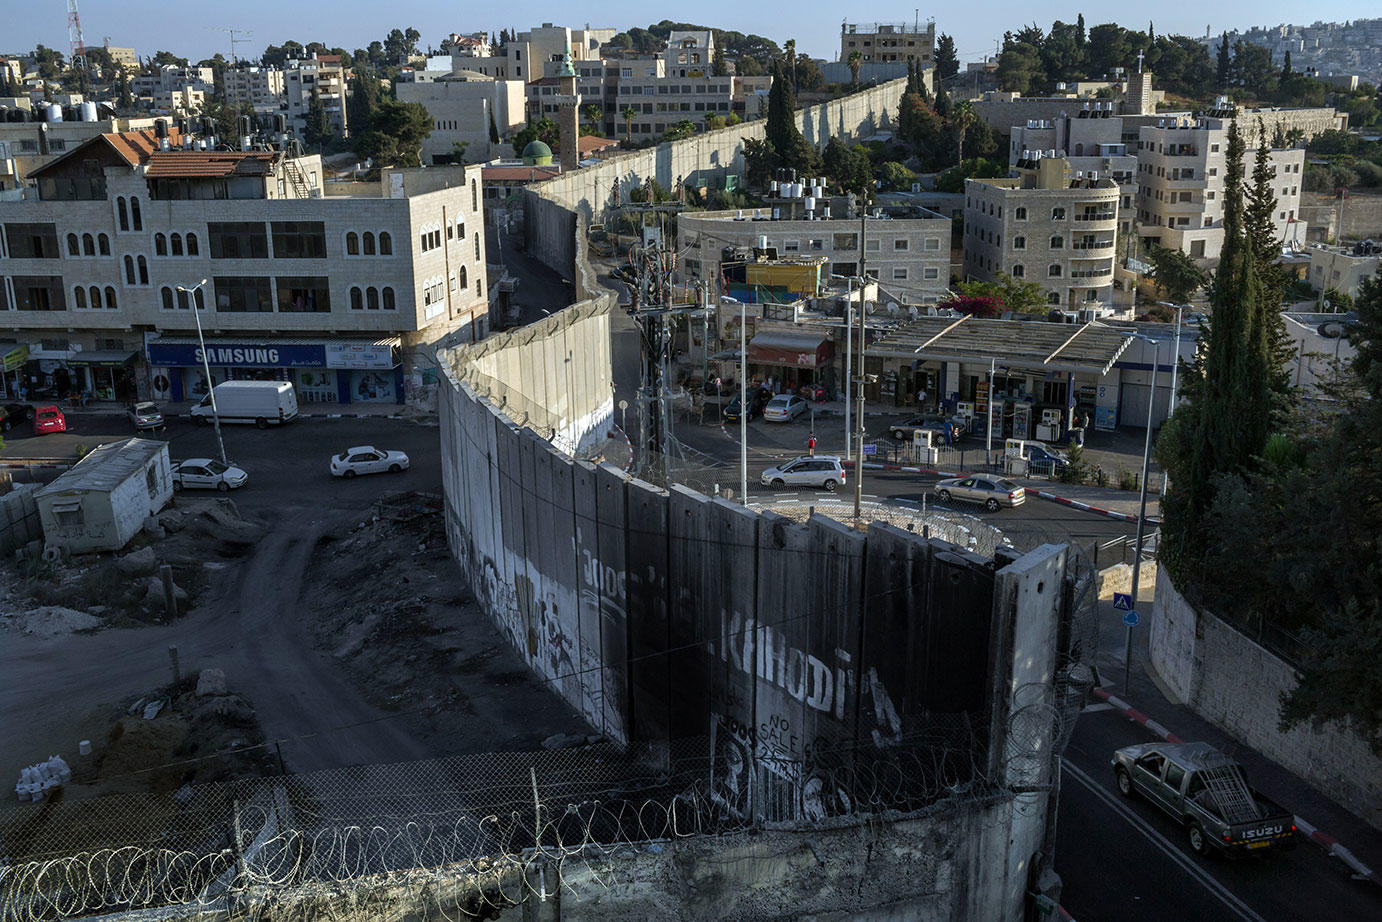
[(260, 402)]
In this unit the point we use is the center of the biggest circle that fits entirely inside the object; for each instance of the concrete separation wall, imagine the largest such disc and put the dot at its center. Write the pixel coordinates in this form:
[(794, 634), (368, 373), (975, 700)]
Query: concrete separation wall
[(19, 520), (1237, 684)]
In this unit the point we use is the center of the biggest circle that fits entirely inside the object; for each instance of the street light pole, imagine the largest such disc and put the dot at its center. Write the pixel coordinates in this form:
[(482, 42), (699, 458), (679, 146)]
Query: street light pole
[(1142, 507), (1175, 367), (743, 399), (849, 371), (206, 365)]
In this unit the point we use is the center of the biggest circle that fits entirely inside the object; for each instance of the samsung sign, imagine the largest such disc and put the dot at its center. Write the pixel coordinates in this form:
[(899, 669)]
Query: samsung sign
[(345, 355), (239, 355)]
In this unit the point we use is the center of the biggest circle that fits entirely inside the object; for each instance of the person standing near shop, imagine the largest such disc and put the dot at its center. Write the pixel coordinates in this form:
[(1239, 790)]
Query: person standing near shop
[(811, 445)]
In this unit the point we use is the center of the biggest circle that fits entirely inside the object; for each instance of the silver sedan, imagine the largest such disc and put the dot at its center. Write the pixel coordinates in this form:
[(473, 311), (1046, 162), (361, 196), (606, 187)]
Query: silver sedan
[(993, 492)]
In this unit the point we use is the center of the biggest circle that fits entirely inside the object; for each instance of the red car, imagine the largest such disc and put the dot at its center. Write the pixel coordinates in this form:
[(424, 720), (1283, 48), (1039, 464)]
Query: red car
[(49, 419)]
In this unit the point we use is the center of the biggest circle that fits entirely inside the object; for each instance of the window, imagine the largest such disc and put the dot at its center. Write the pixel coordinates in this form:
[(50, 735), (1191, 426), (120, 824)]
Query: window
[(110, 298), (304, 295), (1053, 270), (899, 274), (32, 241), (175, 243), (1175, 776), (357, 302), (1053, 297), (352, 244), (238, 240), (873, 246), (791, 246), (69, 514), (388, 299), (123, 213), (931, 272), (845, 242), (372, 299), (932, 243), (143, 270), (1057, 214), (1057, 242), (192, 244), (95, 298), (302, 240), (1020, 214), (242, 294), (474, 196), (1019, 271), (136, 221), (184, 302), (477, 246), (1019, 243), (464, 279), (129, 269), (160, 245), (103, 244), (900, 244), (386, 243), (165, 295), (73, 247), (368, 243), (151, 481), (39, 293), (79, 297)]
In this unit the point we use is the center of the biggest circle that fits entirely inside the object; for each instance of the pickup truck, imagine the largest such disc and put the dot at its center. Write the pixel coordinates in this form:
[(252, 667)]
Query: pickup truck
[(1208, 793)]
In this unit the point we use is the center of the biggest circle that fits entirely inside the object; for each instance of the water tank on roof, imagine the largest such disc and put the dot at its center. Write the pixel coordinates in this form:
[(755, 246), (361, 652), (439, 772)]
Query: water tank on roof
[(88, 112)]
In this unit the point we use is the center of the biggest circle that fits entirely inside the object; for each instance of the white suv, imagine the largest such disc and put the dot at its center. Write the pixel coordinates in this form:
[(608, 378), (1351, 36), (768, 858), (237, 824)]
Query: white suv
[(824, 471)]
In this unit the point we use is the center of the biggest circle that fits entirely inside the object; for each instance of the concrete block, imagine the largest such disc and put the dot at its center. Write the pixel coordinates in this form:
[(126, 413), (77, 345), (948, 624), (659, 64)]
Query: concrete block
[(138, 563), (211, 682)]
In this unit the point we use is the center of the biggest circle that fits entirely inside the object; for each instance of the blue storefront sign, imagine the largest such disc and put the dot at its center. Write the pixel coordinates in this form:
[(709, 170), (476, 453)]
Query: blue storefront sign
[(240, 355)]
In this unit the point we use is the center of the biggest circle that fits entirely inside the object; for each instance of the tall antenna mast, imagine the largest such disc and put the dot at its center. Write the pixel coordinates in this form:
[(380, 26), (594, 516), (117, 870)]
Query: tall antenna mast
[(233, 40), (76, 47)]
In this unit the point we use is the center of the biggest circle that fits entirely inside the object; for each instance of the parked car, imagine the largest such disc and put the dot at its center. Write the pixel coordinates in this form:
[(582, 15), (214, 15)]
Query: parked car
[(366, 459), (906, 431), (824, 471), (758, 399), (1043, 459), (15, 414), (49, 419), (207, 474), (263, 403), (1206, 792), (145, 415), (784, 408), (993, 492)]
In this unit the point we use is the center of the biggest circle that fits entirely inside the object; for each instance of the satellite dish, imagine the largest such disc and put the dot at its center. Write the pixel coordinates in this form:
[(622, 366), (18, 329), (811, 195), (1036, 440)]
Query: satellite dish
[(912, 311), (892, 307)]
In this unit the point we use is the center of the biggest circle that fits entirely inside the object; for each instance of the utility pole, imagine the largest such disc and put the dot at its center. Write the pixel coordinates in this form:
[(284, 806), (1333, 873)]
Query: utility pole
[(859, 413), (233, 40)]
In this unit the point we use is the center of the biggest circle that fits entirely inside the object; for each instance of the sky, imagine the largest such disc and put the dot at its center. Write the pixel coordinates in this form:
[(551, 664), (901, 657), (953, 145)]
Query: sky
[(196, 29)]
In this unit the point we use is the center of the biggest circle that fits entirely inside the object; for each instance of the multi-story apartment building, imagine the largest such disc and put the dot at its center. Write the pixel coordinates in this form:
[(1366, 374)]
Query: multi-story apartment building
[(1092, 141), (261, 88), (534, 54), (906, 249), (185, 101), (335, 293), (1181, 167), (1344, 268), (321, 74), (1045, 225), (170, 78), (890, 42)]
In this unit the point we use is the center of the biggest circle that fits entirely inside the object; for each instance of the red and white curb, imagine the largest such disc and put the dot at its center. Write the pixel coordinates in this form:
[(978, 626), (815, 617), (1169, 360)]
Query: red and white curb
[(1330, 844)]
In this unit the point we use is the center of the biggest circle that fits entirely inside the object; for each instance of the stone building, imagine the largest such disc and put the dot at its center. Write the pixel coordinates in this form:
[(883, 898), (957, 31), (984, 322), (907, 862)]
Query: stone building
[(890, 42)]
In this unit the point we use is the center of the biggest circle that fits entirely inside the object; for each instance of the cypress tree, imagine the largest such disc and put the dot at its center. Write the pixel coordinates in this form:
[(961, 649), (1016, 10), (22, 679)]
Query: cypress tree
[(789, 148)]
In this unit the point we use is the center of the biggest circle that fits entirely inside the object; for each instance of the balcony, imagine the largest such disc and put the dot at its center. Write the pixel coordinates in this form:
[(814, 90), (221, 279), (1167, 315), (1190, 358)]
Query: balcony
[(1096, 216), (1091, 245), (1091, 273)]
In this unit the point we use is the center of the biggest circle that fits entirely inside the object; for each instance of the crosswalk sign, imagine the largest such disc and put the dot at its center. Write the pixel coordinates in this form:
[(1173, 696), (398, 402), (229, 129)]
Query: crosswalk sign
[(1122, 601)]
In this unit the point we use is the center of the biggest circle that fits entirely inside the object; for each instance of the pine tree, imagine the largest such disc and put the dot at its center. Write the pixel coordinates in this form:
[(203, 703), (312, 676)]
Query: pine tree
[(1224, 64), (789, 148)]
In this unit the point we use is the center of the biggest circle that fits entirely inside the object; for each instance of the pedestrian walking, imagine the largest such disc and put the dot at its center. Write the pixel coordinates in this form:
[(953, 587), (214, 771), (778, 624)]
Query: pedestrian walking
[(811, 445)]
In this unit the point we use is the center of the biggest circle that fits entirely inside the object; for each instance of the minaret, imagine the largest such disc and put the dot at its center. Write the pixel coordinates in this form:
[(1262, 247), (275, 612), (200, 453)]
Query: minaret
[(569, 118)]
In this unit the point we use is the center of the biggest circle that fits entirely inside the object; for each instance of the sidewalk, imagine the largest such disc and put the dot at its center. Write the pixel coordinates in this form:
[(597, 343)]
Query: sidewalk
[(324, 410), (1325, 822)]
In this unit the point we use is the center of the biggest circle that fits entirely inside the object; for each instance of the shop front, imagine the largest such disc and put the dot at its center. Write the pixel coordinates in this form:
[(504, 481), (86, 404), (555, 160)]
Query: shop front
[(105, 374), (790, 359), (13, 356), (321, 371)]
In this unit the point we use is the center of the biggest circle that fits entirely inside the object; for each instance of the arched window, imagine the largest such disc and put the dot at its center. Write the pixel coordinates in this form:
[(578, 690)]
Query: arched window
[(80, 293), (352, 244), (1019, 243), (1053, 298), (110, 298), (477, 246), (88, 245), (462, 279), (191, 244), (369, 244), (166, 294), (73, 248), (123, 213), (135, 219), (372, 298), (478, 293), (183, 302), (104, 242), (1079, 150), (356, 302), (385, 244), (160, 245), (95, 297), (176, 244), (143, 270), (129, 269), (1053, 270), (474, 197), (1057, 214), (1020, 214), (1018, 272), (388, 299), (1057, 242)]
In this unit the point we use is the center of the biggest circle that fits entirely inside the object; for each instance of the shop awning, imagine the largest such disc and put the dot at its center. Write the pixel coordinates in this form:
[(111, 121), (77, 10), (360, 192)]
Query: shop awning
[(789, 349), (112, 358)]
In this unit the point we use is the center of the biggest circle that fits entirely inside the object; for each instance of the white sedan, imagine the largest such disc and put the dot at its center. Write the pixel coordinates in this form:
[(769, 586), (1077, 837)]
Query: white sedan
[(207, 474), (784, 408), (366, 459)]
